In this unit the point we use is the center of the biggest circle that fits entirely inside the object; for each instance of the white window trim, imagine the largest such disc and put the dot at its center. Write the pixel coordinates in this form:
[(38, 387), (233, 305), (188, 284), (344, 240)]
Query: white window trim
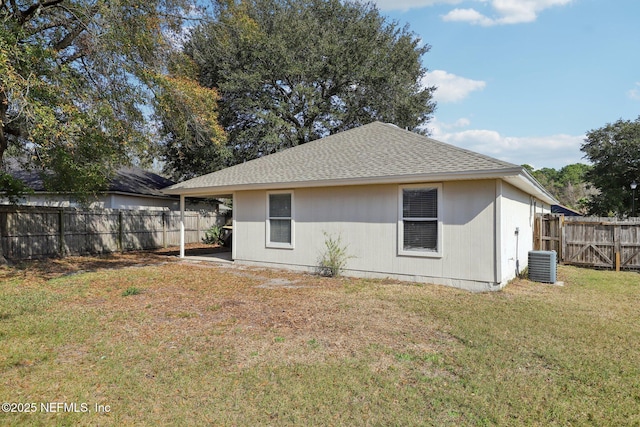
[(424, 254), (279, 245)]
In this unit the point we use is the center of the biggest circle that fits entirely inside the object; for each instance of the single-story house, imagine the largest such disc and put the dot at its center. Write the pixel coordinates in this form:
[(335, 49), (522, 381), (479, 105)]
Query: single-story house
[(404, 205), (130, 188)]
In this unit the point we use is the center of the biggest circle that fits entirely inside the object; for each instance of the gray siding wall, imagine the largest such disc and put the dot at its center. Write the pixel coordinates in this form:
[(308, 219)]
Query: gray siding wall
[(366, 217), (517, 210)]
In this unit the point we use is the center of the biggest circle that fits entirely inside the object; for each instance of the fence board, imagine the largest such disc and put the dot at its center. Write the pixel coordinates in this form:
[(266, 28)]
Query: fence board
[(38, 232), (591, 242)]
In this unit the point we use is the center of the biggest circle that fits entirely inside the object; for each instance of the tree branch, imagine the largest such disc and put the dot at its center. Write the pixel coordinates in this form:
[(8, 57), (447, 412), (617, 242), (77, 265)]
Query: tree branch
[(14, 7), (25, 15), (69, 38), (78, 29), (4, 106), (72, 58)]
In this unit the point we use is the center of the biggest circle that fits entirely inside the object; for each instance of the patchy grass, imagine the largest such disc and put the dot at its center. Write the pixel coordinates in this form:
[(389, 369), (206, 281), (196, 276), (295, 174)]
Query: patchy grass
[(213, 345), (131, 290)]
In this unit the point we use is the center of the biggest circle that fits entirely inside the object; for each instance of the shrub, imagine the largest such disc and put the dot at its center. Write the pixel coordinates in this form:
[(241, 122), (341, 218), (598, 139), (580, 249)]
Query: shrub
[(213, 236), (334, 258)]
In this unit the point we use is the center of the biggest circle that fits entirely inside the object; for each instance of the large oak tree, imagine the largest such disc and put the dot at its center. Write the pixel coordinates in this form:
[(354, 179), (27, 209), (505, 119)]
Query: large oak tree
[(80, 81), (614, 150), (291, 71)]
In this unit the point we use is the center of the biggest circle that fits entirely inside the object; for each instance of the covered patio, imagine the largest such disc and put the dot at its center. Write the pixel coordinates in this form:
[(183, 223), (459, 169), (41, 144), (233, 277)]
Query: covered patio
[(219, 254)]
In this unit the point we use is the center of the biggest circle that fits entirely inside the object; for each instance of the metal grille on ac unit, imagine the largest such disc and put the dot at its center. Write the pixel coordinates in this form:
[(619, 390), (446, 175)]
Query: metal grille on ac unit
[(542, 266)]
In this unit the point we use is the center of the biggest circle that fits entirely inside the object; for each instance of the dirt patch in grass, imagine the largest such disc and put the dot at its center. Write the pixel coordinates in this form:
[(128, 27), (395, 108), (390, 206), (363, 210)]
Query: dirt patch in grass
[(288, 319)]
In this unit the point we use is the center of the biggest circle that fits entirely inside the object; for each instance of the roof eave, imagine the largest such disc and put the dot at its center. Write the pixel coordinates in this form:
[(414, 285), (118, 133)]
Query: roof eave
[(395, 179), (527, 183)]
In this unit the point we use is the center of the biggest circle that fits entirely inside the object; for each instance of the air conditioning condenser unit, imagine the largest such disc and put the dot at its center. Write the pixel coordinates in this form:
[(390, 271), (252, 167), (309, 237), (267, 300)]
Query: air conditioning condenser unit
[(542, 266)]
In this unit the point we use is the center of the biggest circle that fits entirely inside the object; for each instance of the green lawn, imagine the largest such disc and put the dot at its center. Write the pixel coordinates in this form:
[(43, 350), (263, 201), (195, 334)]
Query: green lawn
[(185, 344)]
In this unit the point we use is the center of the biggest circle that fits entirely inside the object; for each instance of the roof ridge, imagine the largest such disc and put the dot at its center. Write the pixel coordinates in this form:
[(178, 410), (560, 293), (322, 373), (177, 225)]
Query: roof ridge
[(446, 144), (375, 150)]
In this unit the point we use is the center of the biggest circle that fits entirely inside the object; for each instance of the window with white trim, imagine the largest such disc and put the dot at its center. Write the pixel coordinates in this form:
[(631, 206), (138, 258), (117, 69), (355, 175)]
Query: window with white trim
[(419, 227), (280, 219)]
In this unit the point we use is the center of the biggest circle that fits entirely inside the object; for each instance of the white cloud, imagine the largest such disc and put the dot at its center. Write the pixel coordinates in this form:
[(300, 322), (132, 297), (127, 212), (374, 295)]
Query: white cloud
[(554, 151), (471, 16), (451, 88), (635, 92), (506, 12), (463, 122)]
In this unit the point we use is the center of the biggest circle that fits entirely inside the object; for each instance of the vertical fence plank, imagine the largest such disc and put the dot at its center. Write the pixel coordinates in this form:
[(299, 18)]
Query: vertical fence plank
[(61, 232), (164, 229), (3, 234), (28, 232), (591, 242)]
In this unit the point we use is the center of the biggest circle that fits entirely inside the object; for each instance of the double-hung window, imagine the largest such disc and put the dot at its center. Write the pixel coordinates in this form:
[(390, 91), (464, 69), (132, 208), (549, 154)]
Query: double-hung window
[(420, 225), (280, 223)]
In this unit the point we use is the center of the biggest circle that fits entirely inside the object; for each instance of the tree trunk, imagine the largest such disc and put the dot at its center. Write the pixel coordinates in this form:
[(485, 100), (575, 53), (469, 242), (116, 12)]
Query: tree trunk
[(4, 105)]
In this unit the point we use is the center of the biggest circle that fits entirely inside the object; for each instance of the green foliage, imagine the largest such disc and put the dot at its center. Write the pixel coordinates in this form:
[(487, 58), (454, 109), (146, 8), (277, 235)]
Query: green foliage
[(193, 141), (12, 189), (75, 84), (569, 184), (292, 71), (614, 150), (334, 258), (131, 290), (214, 236)]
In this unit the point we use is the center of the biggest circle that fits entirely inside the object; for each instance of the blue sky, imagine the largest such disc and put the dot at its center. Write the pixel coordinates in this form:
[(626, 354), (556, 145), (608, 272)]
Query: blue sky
[(524, 80)]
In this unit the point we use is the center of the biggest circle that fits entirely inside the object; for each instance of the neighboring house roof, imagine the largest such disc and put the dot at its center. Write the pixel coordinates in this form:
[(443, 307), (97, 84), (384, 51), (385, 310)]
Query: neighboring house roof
[(560, 209), (139, 181), (373, 153), (127, 180)]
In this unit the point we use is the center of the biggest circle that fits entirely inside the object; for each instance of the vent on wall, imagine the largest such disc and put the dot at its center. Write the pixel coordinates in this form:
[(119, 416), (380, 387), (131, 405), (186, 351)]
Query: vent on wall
[(542, 266)]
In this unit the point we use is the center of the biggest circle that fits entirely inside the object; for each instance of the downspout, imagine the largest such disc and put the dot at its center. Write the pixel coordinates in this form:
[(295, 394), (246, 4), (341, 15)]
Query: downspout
[(517, 251), (182, 226)]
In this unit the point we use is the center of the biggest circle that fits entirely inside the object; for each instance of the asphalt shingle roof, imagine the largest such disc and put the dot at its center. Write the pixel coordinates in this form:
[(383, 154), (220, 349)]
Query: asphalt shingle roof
[(131, 180), (375, 150)]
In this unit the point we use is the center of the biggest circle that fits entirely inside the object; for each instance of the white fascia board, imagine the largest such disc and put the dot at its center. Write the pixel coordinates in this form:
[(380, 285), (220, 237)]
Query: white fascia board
[(527, 183), (148, 196), (397, 179)]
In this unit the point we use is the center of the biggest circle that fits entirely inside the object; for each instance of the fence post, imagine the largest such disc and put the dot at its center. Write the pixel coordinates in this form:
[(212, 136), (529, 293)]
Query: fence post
[(4, 235), (617, 247), (563, 241), (61, 231), (164, 229), (120, 246), (198, 226), (535, 233)]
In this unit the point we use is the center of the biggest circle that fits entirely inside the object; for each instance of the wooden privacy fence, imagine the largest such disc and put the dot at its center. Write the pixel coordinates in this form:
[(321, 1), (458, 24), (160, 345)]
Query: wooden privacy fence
[(38, 232), (590, 242)]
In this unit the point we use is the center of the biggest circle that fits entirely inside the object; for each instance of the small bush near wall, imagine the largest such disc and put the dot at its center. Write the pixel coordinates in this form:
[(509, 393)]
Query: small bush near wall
[(334, 258)]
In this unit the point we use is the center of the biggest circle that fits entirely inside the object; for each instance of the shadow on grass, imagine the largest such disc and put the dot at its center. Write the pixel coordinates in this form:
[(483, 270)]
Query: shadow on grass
[(194, 249), (55, 267)]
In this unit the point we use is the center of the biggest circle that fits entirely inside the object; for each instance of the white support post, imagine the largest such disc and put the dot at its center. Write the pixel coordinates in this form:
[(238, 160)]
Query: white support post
[(181, 226), (234, 234)]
